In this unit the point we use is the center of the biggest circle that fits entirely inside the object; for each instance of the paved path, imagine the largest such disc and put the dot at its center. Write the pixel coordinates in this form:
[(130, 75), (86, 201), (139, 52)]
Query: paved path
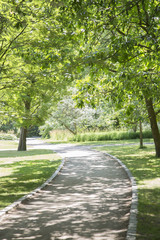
[(89, 200)]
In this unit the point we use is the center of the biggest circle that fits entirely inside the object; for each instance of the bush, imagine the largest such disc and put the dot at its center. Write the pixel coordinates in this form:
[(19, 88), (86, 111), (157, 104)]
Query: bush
[(33, 132), (4, 136), (45, 131), (8, 127), (147, 134)]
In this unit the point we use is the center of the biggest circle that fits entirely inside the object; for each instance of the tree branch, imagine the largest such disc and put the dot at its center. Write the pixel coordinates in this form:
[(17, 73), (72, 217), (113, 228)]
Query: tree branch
[(12, 42), (158, 112)]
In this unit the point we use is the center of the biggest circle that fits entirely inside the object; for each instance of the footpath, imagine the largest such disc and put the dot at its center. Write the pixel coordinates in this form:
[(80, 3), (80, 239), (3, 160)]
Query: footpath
[(89, 199)]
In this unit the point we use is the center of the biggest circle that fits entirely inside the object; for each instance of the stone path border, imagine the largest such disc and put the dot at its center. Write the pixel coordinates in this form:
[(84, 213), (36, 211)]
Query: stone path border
[(131, 233), (29, 195)]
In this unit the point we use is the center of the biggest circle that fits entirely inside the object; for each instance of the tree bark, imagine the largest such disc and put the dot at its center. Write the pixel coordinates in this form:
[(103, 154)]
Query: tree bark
[(68, 128), (22, 140), (154, 125), (141, 134), (23, 131)]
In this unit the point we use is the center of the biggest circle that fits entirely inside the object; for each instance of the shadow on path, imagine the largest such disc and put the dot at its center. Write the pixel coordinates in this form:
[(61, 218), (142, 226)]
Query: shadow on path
[(90, 199)]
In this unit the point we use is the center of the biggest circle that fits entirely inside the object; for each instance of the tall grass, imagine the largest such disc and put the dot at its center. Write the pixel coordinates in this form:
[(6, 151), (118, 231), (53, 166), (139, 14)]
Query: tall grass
[(65, 135), (60, 135), (112, 135)]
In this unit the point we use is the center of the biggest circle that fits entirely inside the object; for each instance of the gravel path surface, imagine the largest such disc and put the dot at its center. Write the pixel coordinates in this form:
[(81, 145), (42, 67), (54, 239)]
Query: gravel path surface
[(89, 200)]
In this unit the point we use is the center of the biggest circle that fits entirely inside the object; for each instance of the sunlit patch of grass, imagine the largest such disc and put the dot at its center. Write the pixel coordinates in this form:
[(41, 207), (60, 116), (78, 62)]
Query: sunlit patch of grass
[(153, 183), (13, 153), (24, 172), (117, 142), (8, 144), (145, 167)]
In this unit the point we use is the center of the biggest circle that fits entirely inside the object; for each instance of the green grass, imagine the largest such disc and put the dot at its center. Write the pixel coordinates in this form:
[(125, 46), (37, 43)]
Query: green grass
[(116, 142), (13, 153), (145, 167), (8, 144), (22, 172)]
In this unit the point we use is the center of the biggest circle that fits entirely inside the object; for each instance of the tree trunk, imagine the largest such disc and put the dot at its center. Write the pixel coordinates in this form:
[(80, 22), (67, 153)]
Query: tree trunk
[(154, 125), (141, 134), (22, 139), (23, 131)]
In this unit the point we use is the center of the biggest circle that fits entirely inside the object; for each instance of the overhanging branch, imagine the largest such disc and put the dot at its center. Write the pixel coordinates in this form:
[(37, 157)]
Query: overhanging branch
[(11, 42)]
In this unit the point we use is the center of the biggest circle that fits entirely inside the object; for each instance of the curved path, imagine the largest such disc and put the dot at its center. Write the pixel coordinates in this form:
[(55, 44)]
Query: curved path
[(89, 200)]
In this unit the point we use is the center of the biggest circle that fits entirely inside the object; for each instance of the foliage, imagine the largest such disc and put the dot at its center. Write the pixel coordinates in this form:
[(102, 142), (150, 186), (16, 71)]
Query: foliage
[(33, 132), (45, 130), (110, 47), (5, 136), (23, 172), (121, 54), (126, 53), (35, 88), (72, 118), (36, 51), (146, 169), (8, 127), (66, 115)]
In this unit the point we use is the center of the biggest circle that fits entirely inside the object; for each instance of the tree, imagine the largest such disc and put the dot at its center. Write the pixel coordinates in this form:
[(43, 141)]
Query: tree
[(67, 115), (12, 25), (123, 46), (36, 66), (134, 114)]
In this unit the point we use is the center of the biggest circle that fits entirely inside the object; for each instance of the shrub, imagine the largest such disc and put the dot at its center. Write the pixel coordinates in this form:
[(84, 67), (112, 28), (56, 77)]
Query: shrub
[(4, 136), (33, 132), (45, 131)]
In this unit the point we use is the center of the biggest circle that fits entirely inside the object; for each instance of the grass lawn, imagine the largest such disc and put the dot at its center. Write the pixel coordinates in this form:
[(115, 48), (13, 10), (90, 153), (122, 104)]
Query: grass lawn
[(115, 142), (145, 167), (8, 144), (22, 172)]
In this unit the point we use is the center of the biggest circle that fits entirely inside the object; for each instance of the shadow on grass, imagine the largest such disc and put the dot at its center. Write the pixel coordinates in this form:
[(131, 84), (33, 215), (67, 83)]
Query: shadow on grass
[(142, 162), (25, 177), (149, 214)]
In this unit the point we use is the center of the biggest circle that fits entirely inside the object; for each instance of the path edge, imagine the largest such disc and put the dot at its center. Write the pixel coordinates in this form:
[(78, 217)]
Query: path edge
[(132, 226), (4, 211)]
